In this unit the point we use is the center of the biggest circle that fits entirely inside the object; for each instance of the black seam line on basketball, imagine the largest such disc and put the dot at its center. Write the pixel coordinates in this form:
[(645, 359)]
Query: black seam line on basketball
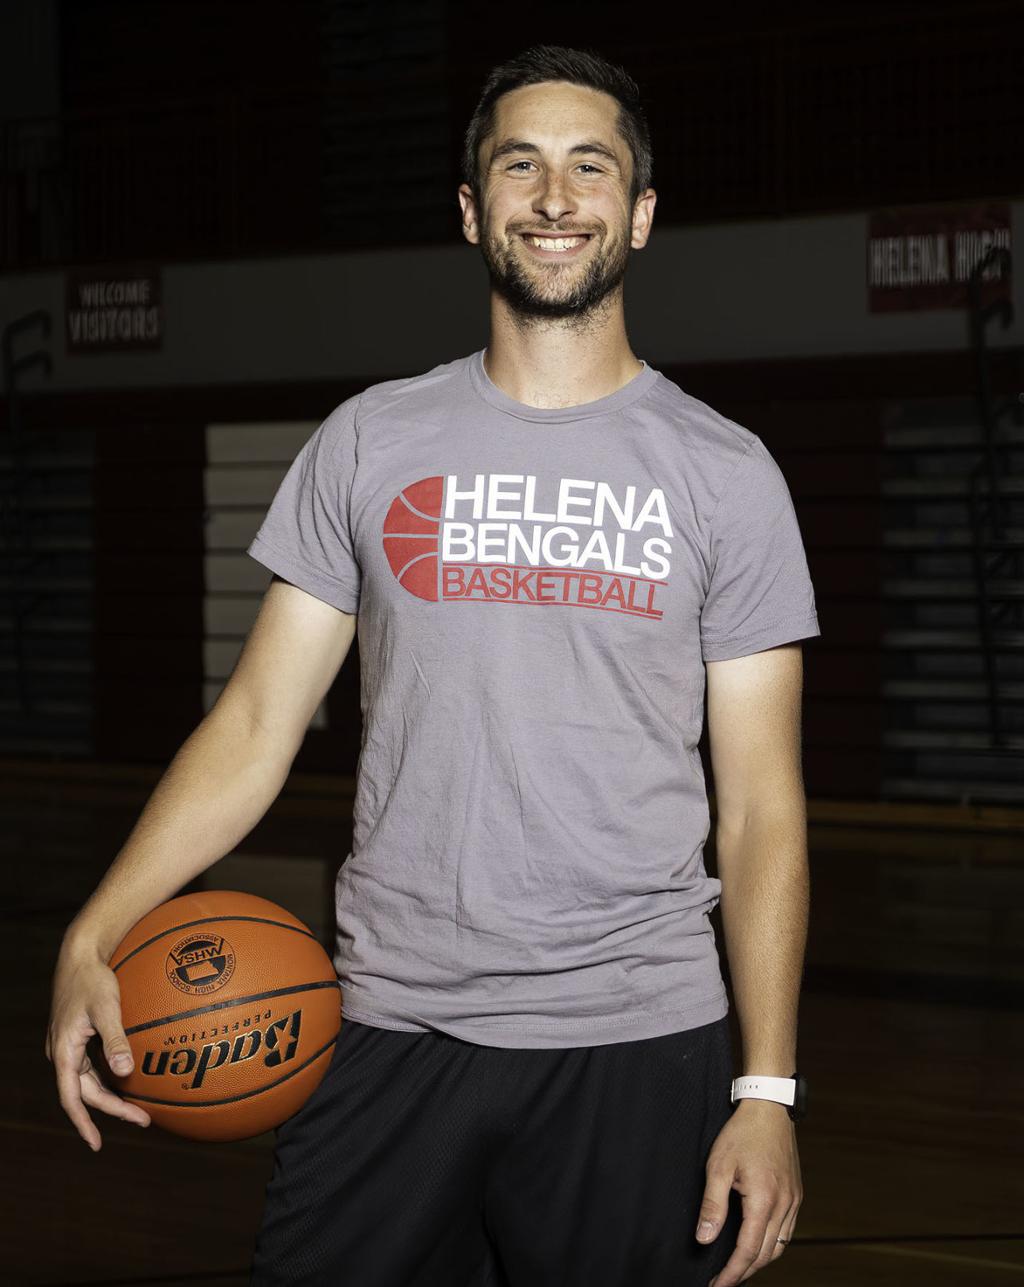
[(233, 1099), (231, 1001), (175, 929)]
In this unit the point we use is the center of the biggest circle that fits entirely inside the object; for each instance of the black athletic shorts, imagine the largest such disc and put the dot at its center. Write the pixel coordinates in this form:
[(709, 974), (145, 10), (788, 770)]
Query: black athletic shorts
[(422, 1160)]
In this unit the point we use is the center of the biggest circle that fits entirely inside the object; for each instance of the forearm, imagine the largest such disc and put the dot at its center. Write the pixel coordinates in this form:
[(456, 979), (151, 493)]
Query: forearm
[(765, 903), (220, 783)]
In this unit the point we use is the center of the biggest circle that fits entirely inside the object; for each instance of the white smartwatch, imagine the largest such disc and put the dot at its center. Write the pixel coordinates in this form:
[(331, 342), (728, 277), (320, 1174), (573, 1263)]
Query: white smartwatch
[(791, 1091)]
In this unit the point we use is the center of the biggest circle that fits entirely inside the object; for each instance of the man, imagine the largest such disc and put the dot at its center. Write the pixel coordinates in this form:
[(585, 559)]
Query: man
[(545, 543), (554, 552)]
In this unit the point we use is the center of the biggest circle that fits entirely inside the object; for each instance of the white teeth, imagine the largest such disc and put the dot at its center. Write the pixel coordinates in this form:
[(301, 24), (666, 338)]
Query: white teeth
[(556, 243)]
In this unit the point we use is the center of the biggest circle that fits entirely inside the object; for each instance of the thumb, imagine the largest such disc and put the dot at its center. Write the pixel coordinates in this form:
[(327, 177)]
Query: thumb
[(119, 1056), (117, 1051), (714, 1206)]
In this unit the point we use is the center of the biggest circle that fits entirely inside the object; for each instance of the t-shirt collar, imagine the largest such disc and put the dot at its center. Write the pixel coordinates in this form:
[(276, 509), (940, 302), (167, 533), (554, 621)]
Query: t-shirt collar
[(489, 391)]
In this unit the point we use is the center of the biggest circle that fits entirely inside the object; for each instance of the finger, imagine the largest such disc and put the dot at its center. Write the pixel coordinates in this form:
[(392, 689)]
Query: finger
[(756, 1211), (69, 1065), (116, 1050), (79, 1084), (98, 1095), (788, 1229), (119, 1057), (714, 1206), (771, 1248)]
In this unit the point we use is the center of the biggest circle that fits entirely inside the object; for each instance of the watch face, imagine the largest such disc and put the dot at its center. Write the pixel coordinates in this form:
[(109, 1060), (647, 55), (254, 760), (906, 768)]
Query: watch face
[(800, 1097)]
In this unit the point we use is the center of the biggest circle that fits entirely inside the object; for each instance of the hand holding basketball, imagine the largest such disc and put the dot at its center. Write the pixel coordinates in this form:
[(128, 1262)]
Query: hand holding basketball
[(87, 1002), (226, 1006)]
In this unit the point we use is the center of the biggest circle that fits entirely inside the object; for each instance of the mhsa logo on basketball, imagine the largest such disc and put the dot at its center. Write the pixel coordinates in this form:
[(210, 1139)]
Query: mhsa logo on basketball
[(582, 543), (278, 1042)]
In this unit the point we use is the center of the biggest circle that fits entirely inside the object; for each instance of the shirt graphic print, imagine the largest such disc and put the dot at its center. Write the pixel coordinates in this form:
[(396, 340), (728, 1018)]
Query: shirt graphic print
[(487, 539)]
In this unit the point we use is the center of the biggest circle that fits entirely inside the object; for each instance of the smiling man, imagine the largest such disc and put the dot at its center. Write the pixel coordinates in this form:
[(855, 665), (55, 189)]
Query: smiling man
[(554, 555)]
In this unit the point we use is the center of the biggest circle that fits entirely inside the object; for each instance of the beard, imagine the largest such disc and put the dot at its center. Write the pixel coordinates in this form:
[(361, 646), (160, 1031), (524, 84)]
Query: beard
[(544, 289)]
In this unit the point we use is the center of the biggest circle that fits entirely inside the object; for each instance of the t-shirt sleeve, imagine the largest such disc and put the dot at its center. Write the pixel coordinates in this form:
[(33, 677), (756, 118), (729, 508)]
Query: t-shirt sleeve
[(306, 534), (760, 592)]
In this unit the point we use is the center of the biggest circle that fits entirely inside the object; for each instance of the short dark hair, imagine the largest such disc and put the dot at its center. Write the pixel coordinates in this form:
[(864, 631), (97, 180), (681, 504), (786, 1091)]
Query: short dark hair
[(580, 67)]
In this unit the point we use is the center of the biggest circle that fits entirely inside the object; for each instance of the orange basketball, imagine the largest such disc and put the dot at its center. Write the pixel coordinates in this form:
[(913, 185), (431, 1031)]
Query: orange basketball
[(231, 1008)]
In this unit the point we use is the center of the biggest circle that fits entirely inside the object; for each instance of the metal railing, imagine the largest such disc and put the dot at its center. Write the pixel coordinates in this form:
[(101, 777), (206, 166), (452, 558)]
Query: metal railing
[(901, 104), (223, 176), (16, 532), (1000, 613)]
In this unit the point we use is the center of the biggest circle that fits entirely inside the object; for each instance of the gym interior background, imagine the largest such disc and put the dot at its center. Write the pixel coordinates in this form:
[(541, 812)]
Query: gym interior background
[(267, 191)]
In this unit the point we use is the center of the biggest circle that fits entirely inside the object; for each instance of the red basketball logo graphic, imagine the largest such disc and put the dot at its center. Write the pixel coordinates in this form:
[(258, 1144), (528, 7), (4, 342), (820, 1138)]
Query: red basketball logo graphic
[(411, 536)]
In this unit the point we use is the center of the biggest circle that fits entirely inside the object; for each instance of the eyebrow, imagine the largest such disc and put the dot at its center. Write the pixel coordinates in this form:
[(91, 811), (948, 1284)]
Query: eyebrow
[(518, 145)]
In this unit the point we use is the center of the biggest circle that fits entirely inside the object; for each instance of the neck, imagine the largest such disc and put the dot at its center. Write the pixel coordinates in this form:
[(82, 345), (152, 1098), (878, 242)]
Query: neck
[(558, 362)]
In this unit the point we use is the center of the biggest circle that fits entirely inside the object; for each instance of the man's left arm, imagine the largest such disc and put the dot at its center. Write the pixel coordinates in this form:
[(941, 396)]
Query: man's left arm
[(754, 721)]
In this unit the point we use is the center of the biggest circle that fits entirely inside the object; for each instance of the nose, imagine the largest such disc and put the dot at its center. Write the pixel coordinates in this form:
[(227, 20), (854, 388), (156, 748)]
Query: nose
[(553, 199)]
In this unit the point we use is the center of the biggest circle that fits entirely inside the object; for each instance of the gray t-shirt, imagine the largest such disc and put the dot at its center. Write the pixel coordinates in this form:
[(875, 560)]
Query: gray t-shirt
[(530, 814)]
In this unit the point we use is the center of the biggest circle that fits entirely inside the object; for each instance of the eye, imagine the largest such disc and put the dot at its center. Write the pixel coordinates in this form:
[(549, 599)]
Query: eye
[(583, 165)]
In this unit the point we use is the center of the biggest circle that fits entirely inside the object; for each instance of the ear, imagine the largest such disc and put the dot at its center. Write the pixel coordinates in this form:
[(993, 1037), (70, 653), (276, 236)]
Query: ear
[(470, 214), (643, 218)]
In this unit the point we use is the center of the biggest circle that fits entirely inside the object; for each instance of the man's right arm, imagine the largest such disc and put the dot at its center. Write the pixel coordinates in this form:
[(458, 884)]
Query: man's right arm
[(219, 785), (230, 769)]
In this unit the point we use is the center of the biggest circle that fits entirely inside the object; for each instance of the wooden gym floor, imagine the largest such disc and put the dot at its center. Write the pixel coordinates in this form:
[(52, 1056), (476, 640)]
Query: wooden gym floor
[(910, 1034)]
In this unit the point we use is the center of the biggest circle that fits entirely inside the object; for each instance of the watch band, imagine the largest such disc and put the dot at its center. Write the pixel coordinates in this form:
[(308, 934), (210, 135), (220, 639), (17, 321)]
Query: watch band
[(781, 1089)]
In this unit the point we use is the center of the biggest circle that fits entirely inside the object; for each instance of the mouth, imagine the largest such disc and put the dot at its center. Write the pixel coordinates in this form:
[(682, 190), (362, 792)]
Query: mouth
[(554, 247)]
